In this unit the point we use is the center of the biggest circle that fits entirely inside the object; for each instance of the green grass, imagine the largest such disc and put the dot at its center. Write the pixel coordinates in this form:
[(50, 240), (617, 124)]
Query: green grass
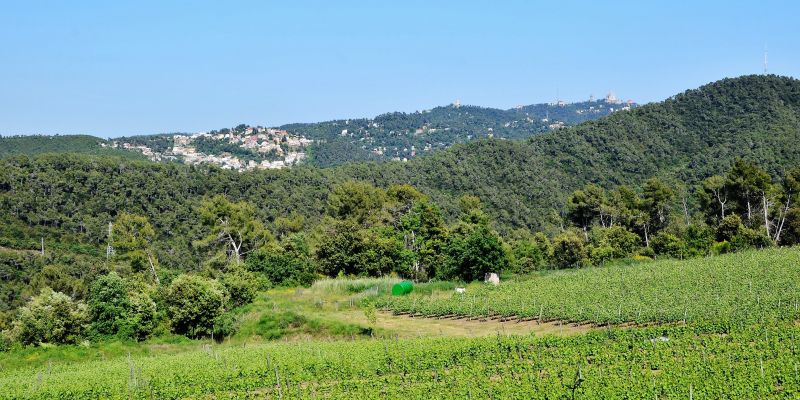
[(26, 357), (742, 288)]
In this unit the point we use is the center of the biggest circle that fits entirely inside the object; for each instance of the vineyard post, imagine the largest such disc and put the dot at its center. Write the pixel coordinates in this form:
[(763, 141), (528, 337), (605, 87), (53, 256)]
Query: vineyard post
[(278, 380)]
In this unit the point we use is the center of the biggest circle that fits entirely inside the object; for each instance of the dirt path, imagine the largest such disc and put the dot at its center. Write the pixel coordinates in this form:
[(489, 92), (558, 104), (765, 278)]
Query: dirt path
[(406, 326)]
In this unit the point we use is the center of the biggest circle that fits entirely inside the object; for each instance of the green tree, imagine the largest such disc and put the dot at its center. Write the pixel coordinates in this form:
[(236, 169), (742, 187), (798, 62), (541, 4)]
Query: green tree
[(195, 304), (714, 198), (232, 227), (132, 237), (569, 250), (109, 304), (50, 317), (288, 265), (474, 255), (619, 241), (356, 200), (748, 184), (587, 205), (241, 286)]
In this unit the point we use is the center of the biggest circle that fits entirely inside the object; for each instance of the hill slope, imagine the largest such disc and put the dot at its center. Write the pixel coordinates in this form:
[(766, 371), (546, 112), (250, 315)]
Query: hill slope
[(688, 137), (80, 144)]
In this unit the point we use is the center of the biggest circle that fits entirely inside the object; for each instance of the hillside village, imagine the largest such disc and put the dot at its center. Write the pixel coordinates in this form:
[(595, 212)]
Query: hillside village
[(393, 136), (242, 148)]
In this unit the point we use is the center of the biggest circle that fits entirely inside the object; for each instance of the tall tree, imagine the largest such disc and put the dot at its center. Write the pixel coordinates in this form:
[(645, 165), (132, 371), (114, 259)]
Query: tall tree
[(132, 237), (232, 227), (749, 185)]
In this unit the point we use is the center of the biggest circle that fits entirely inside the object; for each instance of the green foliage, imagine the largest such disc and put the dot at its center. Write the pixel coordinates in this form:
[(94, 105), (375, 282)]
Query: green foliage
[(474, 254), (195, 305), (729, 227), (356, 200), (241, 286), (528, 255), (669, 245), (406, 135), (51, 317), (75, 144), (644, 363), (288, 265), (619, 241), (109, 304), (570, 250), (232, 228)]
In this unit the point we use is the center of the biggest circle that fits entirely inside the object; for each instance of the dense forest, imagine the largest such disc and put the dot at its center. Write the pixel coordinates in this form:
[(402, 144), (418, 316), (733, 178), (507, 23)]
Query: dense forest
[(708, 171)]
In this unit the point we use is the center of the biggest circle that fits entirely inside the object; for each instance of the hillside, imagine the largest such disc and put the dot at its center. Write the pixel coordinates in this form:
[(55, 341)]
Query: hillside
[(399, 136), (75, 144), (685, 138), (391, 136)]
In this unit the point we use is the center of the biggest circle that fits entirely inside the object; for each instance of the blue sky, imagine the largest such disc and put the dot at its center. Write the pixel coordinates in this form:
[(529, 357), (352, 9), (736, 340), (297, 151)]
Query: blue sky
[(121, 68)]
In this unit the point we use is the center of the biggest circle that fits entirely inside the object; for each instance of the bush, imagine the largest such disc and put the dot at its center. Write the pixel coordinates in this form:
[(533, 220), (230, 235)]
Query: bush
[(50, 317), (748, 238), (142, 316), (526, 257), (669, 245), (601, 254), (241, 285), (721, 248), (108, 304), (699, 239), (194, 304), (619, 241), (569, 250), (728, 227), (290, 265), (115, 308)]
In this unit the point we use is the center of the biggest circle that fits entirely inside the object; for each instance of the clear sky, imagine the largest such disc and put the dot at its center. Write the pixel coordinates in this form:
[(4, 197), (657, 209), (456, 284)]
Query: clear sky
[(111, 68)]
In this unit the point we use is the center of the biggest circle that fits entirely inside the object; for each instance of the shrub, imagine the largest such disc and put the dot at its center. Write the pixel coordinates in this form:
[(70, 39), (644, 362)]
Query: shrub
[(241, 284), (669, 245), (116, 308), (728, 227), (108, 304), (569, 250), (480, 252), (50, 317), (194, 304), (619, 240)]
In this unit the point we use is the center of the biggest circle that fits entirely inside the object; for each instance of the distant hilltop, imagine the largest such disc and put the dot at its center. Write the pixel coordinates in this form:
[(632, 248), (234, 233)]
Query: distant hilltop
[(395, 136)]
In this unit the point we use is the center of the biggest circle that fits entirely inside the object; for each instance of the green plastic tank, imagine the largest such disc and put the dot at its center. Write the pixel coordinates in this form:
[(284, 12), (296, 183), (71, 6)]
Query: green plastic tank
[(402, 288)]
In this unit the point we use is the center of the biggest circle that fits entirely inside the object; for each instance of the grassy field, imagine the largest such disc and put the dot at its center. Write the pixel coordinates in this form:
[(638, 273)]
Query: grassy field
[(328, 341), (743, 288)]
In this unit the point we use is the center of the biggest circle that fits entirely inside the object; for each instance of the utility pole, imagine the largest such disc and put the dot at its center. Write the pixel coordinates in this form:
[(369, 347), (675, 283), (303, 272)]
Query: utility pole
[(765, 59), (109, 248)]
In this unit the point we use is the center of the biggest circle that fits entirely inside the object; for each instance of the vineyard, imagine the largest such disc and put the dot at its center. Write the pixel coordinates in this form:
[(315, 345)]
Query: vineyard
[(722, 327), (737, 289), (675, 362)]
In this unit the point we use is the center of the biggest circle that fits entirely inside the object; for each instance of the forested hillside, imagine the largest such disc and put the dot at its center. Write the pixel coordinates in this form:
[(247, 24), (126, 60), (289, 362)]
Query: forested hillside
[(79, 144), (406, 135), (684, 139)]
